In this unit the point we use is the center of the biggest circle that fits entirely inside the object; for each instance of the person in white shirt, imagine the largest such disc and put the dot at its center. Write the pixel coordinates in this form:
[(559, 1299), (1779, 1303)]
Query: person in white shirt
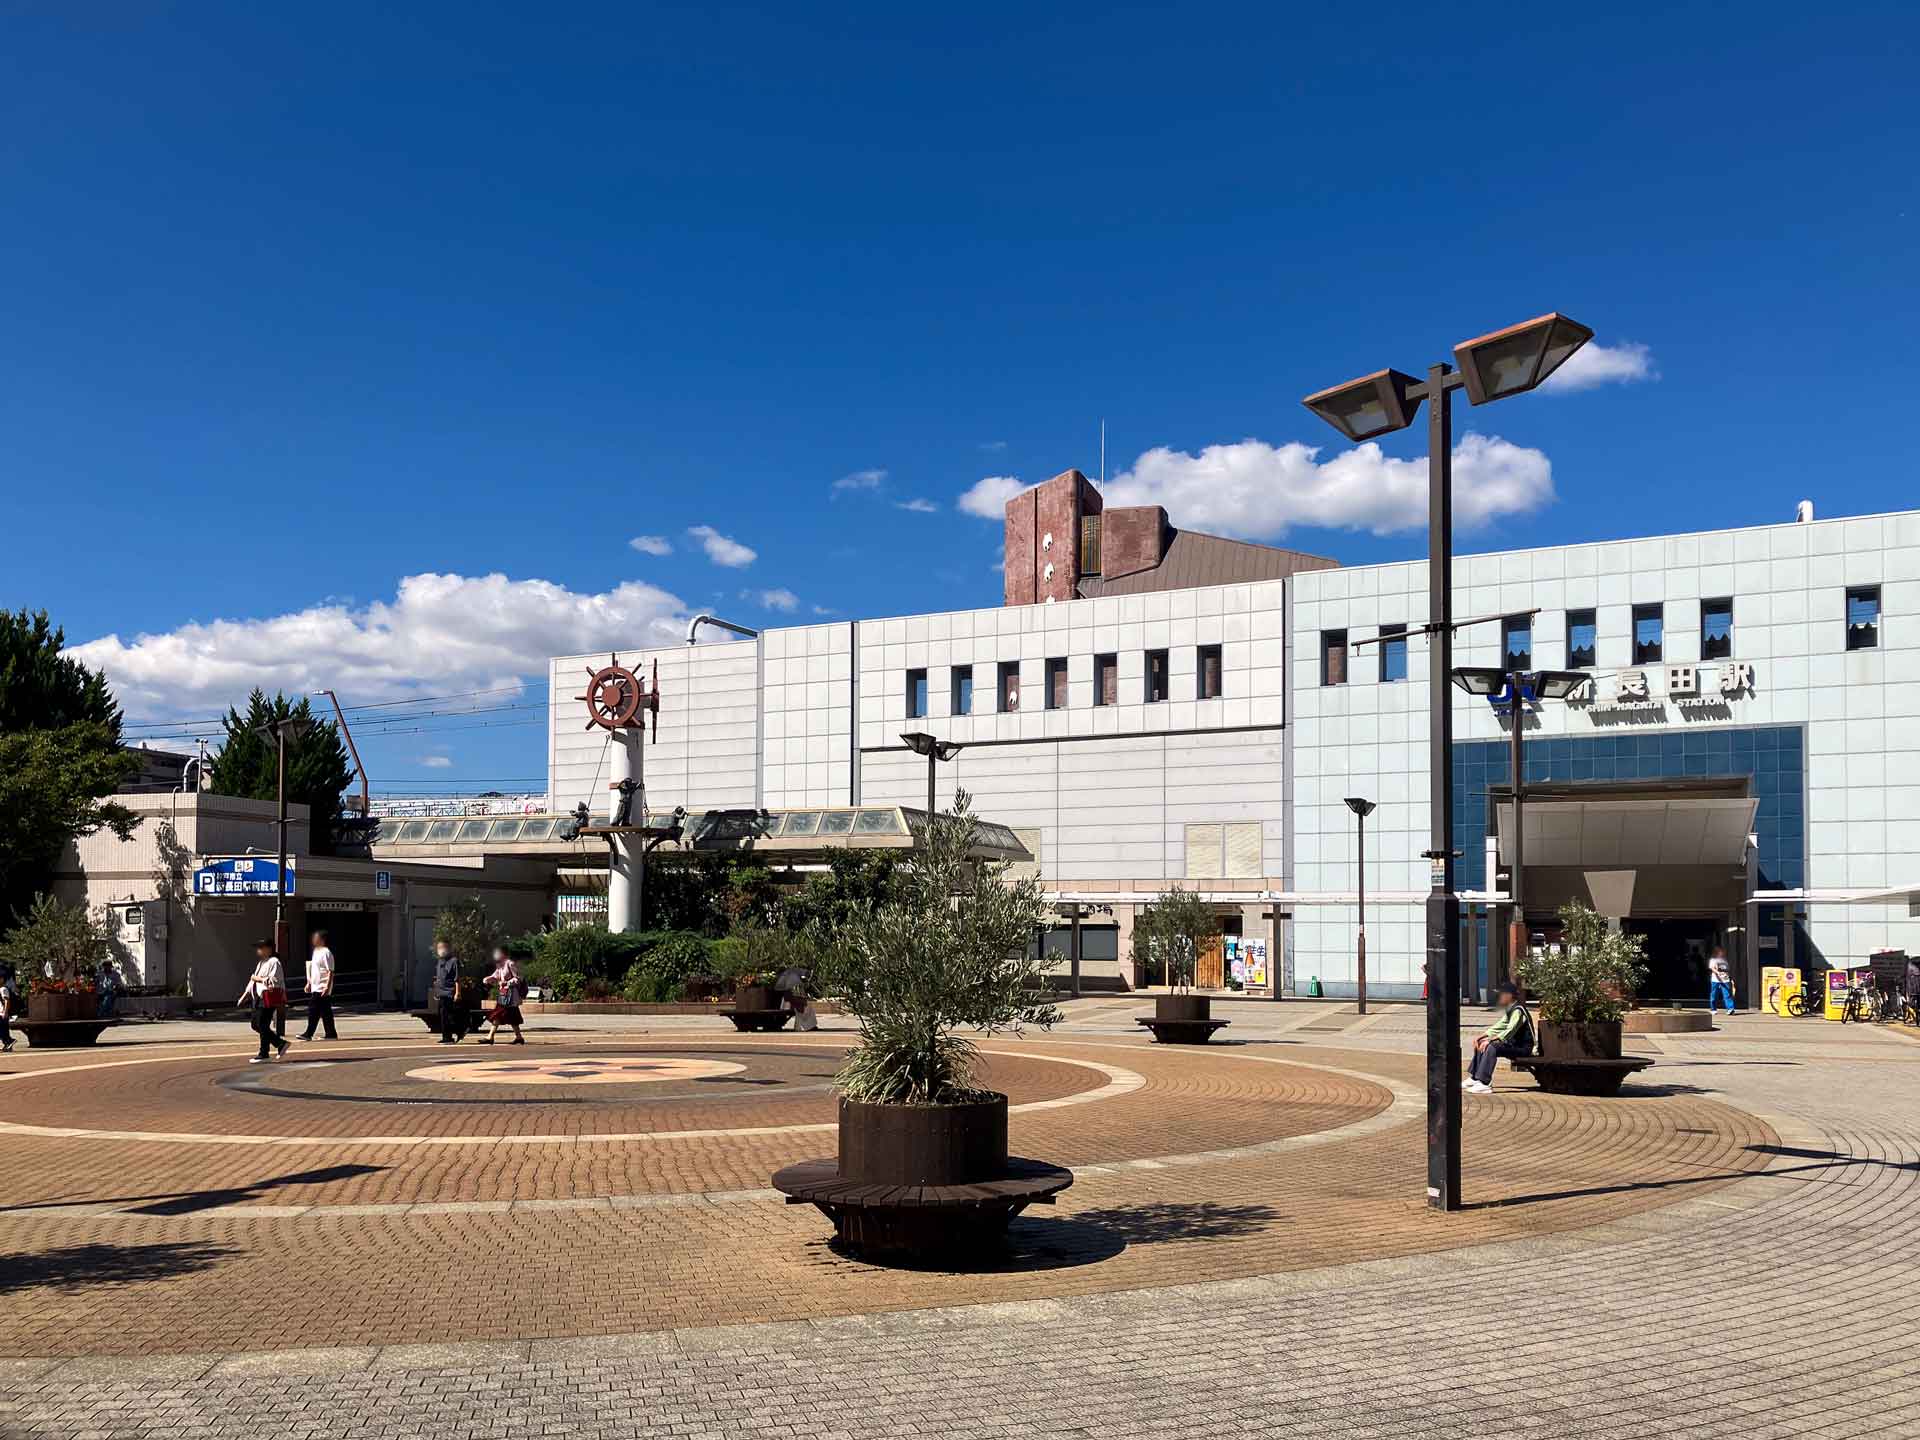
[(320, 988), (266, 992), (1720, 978)]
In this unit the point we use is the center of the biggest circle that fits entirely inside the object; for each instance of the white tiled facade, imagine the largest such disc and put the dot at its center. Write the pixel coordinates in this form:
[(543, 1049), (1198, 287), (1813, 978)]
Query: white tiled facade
[(1860, 709)]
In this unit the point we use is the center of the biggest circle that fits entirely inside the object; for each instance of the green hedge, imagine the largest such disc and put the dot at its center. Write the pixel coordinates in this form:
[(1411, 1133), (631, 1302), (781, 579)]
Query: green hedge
[(647, 966)]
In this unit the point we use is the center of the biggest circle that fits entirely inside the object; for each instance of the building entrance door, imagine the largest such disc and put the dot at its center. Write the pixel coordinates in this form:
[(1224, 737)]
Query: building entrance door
[(354, 938), (1676, 953)]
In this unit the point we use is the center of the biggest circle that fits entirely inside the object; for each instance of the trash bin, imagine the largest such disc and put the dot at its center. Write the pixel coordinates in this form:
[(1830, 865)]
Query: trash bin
[(1313, 986)]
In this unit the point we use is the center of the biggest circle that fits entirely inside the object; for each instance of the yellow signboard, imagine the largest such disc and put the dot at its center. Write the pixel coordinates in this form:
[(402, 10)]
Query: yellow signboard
[(1779, 985), (1839, 982)]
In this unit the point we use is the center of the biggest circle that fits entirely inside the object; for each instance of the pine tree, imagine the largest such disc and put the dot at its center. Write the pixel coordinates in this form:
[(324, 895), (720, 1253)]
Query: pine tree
[(247, 763)]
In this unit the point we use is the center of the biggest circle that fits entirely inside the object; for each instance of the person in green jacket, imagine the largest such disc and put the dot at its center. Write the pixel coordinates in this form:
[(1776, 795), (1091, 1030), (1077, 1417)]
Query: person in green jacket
[(1510, 1035)]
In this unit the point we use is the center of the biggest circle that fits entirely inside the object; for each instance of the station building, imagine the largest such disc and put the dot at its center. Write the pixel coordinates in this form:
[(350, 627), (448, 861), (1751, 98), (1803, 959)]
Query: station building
[(1153, 706)]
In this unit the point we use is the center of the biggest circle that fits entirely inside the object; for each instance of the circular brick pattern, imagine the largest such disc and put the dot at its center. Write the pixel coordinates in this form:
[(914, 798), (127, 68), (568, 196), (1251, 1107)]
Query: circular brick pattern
[(577, 1070)]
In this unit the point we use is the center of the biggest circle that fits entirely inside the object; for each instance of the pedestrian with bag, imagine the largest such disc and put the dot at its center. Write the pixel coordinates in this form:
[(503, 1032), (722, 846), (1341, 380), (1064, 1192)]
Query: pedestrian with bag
[(1720, 986), (320, 987), (792, 983), (509, 990), (446, 991), (266, 992)]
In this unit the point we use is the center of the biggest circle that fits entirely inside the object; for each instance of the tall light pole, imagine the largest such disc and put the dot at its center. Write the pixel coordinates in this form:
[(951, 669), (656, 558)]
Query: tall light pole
[(284, 728), (1492, 367), (1361, 809), (922, 743), (1515, 689)]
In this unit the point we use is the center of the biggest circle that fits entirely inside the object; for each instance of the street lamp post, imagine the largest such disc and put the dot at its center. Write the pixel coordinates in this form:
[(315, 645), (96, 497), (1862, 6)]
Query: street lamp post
[(1361, 809), (1515, 689), (285, 728), (1492, 367), (922, 743)]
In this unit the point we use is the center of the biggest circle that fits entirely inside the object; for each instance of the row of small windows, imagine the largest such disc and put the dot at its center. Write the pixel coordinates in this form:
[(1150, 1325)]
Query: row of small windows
[(1106, 683), (1648, 637)]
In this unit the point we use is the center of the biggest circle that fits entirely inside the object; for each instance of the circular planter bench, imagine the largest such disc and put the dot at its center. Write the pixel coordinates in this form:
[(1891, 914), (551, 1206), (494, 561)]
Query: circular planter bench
[(1580, 1060), (746, 1020), (1182, 1020), (913, 1180), (61, 1034)]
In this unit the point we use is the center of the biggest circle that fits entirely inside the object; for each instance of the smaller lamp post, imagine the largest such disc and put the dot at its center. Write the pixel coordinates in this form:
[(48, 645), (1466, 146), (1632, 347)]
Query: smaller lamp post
[(922, 743), (1513, 689), (1361, 809), (280, 731)]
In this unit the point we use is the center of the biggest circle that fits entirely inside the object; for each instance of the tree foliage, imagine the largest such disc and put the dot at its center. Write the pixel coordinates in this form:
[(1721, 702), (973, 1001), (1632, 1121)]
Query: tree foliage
[(247, 763), (60, 756), (946, 948), (1591, 976), (1172, 931), (57, 942), (471, 931)]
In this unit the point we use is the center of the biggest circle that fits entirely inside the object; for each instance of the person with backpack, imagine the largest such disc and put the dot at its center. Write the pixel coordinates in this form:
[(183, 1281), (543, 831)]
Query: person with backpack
[(509, 990), (1510, 1035)]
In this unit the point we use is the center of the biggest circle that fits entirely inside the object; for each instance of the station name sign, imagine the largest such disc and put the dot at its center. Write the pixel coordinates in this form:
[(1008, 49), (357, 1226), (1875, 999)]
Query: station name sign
[(1625, 694)]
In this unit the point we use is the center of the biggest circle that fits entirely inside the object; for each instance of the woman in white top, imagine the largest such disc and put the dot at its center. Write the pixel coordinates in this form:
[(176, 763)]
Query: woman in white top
[(267, 992), (506, 1004)]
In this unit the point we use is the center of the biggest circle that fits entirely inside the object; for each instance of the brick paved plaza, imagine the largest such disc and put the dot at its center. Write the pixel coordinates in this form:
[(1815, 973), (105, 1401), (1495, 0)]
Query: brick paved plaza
[(580, 1237)]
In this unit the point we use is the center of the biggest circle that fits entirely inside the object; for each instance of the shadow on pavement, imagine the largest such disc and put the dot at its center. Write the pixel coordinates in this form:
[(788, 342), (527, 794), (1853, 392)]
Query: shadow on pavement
[(78, 1265), (190, 1201)]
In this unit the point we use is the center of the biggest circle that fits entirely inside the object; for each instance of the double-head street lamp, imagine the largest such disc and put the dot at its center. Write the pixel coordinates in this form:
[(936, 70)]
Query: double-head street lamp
[(1515, 689), (280, 731), (922, 743), (1361, 809), (1492, 367)]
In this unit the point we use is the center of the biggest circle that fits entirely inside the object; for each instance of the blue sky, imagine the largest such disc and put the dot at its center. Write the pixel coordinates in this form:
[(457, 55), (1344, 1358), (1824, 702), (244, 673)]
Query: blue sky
[(316, 320)]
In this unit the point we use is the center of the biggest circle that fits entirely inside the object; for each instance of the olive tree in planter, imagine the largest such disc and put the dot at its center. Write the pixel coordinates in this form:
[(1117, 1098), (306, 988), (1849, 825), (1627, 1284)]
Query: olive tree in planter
[(1175, 929), (1584, 986), (56, 950), (943, 956)]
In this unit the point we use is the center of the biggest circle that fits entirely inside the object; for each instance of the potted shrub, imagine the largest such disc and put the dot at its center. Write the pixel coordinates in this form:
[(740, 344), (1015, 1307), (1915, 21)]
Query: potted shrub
[(1172, 931), (1583, 987), (56, 950), (945, 955)]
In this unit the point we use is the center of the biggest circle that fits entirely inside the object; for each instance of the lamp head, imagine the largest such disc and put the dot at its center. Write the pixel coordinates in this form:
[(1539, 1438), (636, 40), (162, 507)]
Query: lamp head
[(919, 741), (1372, 405), (1360, 807), (1480, 679), (1560, 684), (1514, 360)]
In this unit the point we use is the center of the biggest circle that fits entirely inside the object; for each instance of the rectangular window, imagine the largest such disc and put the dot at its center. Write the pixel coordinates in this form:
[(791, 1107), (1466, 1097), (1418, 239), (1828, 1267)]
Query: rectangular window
[(1583, 640), (1393, 652), (1156, 675), (1089, 544), (1333, 657), (1009, 686), (1057, 684), (1863, 618), (1649, 630), (1516, 642), (1716, 629), (916, 694), (1106, 679), (963, 690), (1207, 665)]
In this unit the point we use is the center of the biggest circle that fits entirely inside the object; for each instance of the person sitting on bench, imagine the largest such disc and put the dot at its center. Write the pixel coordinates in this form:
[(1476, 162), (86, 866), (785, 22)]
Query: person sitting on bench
[(1510, 1035)]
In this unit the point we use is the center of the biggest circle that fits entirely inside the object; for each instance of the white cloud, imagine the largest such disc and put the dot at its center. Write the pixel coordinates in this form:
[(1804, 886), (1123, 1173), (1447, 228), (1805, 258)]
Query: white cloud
[(1593, 365), (917, 505), (651, 545), (859, 480), (722, 549), (824, 610), (1257, 491), (776, 599), (436, 762), (440, 634), (993, 447), (988, 498)]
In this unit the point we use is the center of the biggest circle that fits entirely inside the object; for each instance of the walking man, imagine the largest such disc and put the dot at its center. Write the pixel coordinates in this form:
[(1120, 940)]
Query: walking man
[(446, 985), (320, 987), (1720, 976)]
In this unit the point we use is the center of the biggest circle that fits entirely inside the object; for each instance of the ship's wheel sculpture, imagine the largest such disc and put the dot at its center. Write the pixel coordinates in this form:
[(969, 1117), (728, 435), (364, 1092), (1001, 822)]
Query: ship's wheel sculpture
[(617, 698)]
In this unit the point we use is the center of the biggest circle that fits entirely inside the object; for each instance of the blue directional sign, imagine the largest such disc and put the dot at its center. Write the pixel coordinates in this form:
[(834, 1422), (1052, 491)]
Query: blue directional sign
[(243, 875)]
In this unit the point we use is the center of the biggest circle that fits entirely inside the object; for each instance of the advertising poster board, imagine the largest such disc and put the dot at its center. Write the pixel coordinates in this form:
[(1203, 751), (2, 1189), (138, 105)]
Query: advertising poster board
[(1778, 985)]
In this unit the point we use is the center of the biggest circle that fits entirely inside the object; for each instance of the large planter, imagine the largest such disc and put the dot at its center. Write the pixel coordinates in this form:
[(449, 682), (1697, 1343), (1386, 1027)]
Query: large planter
[(756, 997), (1182, 1009), (55, 1005), (923, 1144), (1588, 1040)]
